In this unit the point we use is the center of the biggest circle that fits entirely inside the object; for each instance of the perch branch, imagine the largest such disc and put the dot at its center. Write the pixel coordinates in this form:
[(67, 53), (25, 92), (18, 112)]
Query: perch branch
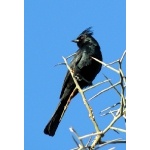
[(98, 137)]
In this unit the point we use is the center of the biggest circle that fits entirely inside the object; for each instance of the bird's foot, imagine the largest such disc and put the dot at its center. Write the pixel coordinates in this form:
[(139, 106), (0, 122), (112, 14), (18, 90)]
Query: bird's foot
[(80, 78)]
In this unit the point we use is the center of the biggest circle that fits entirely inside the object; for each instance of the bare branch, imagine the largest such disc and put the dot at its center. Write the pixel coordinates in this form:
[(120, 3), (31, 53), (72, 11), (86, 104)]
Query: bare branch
[(117, 113), (70, 56), (110, 107), (112, 63), (80, 140), (104, 90), (111, 123), (89, 135), (115, 141), (75, 141), (98, 137), (112, 148), (112, 85), (124, 53), (60, 64), (118, 129), (93, 86), (112, 111), (106, 65)]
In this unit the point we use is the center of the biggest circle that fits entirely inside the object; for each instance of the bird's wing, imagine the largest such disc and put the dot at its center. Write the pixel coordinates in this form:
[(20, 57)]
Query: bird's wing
[(81, 59), (85, 59), (68, 81)]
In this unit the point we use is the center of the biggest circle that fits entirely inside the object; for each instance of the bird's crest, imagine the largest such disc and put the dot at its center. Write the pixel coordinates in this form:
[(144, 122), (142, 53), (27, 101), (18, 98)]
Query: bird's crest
[(87, 32)]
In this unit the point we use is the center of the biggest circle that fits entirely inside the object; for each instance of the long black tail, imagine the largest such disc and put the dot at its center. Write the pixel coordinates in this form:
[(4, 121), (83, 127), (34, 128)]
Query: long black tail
[(52, 125)]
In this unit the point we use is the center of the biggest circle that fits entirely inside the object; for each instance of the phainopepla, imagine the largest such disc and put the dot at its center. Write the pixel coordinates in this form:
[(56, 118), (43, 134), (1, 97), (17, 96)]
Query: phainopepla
[(84, 70)]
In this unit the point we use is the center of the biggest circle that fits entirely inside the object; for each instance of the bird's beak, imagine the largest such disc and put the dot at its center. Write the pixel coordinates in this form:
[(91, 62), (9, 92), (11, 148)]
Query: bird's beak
[(76, 41)]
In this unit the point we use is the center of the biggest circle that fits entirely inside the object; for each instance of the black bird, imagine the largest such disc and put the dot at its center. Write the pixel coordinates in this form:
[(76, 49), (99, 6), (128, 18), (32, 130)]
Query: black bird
[(84, 69)]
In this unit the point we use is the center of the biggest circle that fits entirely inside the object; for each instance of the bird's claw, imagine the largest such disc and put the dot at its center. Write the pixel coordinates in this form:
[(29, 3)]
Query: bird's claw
[(80, 78)]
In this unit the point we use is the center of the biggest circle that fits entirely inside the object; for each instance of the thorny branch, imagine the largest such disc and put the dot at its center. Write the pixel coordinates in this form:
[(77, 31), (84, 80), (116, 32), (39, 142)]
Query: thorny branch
[(116, 113), (91, 115)]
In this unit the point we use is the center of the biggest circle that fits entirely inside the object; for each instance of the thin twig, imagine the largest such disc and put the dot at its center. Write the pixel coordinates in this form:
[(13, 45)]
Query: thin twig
[(112, 148), (106, 65), (97, 84), (70, 56), (112, 63), (118, 129), (89, 135), (75, 141), (113, 85), (123, 80), (110, 87), (122, 56), (113, 111), (88, 141), (112, 142), (75, 148), (60, 64), (77, 136), (111, 123), (110, 107)]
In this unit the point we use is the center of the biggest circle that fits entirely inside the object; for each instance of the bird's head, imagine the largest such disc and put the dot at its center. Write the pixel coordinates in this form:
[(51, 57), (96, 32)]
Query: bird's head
[(84, 37)]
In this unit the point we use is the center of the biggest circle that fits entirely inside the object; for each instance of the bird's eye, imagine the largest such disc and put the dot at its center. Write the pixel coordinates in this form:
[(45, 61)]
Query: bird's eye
[(82, 37)]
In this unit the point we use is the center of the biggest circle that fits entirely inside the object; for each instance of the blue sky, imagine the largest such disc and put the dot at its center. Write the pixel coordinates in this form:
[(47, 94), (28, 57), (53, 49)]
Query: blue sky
[(49, 28)]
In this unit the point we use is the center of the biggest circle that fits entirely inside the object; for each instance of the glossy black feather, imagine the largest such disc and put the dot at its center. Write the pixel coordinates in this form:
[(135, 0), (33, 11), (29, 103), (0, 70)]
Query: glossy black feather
[(85, 70)]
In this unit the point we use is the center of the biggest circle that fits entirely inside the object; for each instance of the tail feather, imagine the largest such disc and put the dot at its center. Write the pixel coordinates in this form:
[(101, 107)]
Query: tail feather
[(52, 125)]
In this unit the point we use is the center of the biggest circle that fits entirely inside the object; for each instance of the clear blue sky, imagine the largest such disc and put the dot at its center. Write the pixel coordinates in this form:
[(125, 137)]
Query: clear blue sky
[(49, 28)]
